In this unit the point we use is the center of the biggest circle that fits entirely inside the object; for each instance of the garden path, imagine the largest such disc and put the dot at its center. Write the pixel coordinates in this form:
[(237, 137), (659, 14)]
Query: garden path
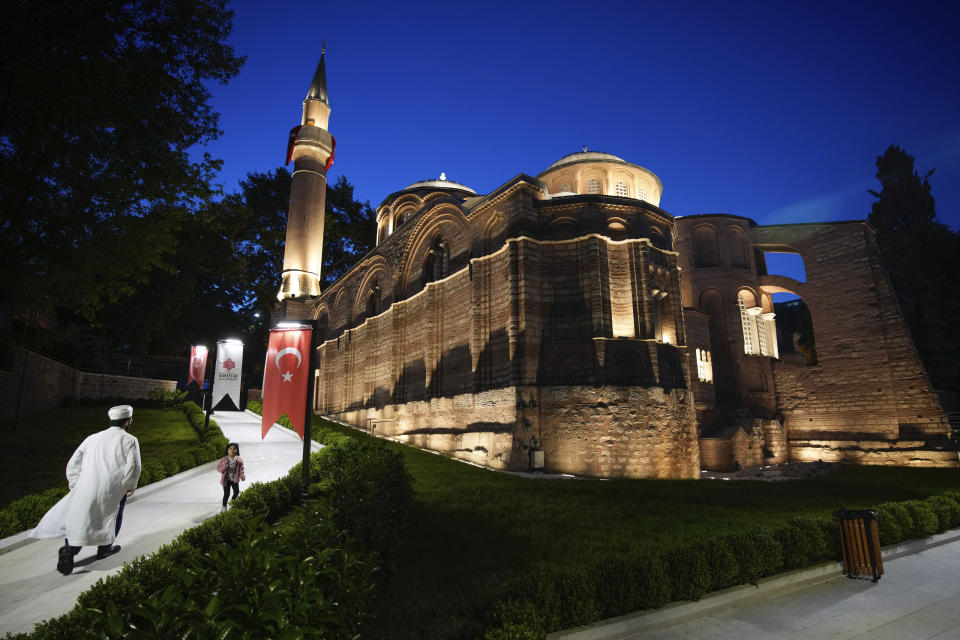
[(31, 589)]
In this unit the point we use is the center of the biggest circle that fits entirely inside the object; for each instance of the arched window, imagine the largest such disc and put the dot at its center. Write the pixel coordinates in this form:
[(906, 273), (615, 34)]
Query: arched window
[(739, 257), (621, 189), (704, 366), (566, 188), (593, 185), (641, 193), (705, 250), (435, 266), (759, 328), (373, 300)]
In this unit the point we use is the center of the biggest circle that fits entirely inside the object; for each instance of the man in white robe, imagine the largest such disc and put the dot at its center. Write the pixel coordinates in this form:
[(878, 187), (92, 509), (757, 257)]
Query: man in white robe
[(101, 474)]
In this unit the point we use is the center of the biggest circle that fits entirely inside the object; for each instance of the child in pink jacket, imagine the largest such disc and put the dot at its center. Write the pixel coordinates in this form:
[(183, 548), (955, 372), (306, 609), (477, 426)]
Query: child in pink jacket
[(231, 472)]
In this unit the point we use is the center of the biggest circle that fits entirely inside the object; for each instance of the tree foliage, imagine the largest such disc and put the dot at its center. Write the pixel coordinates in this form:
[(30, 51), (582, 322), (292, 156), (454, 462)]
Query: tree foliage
[(222, 275), (99, 104), (919, 253)]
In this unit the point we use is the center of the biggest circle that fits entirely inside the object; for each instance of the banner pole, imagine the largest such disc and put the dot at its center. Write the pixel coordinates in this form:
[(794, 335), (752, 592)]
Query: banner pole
[(308, 414)]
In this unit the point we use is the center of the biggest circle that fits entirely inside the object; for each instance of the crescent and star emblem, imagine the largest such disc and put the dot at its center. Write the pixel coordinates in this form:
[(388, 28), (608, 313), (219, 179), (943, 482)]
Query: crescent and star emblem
[(287, 376)]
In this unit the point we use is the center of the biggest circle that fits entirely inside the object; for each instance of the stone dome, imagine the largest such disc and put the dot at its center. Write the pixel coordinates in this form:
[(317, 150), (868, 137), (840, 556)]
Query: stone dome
[(585, 156), (599, 173), (441, 183)]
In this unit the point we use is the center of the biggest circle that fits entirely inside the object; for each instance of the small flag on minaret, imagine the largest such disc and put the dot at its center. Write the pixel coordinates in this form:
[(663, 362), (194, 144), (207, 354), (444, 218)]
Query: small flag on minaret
[(290, 142)]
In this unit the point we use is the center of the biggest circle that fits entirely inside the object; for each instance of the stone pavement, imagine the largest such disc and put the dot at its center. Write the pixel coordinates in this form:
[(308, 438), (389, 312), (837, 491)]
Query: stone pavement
[(31, 589), (918, 597)]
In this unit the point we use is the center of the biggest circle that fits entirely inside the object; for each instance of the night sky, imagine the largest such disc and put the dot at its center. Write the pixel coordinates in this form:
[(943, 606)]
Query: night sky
[(772, 112)]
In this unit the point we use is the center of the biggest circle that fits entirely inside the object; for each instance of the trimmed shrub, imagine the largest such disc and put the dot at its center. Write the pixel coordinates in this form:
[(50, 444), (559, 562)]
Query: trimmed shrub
[(722, 564), (925, 521), (889, 523), (758, 554), (369, 489), (947, 510), (803, 541), (688, 572), (24, 513), (307, 578), (631, 584)]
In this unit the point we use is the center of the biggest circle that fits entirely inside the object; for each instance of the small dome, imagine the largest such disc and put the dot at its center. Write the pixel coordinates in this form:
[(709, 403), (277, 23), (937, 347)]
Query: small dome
[(584, 156), (442, 183)]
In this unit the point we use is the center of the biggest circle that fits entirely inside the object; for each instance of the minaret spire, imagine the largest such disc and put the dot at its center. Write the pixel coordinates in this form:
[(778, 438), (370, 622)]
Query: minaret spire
[(311, 149), (318, 88)]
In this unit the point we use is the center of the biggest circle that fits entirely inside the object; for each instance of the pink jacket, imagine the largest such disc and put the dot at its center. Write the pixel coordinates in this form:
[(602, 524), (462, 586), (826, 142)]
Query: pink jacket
[(222, 468)]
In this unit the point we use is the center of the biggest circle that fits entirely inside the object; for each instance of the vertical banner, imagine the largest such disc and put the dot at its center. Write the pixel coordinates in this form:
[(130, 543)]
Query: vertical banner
[(285, 375), (198, 365), (226, 374)]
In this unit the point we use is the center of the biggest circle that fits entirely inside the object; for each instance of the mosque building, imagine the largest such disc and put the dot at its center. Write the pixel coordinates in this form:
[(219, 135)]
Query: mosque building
[(566, 322)]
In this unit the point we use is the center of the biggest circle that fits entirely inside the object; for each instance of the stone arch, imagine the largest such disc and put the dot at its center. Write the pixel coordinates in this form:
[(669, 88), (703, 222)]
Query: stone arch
[(739, 247), (322, 316), (383, 229), (706, 251), (379, 274), (711, 302), (795, 324), (447, 222), (657, 238), (340, 318), (564, 228), (494, 232)]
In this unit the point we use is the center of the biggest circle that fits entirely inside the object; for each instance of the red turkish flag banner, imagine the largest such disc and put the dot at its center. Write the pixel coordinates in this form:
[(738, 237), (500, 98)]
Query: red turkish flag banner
[(285, 378), (290, 143), (333, 151), (198, 365)]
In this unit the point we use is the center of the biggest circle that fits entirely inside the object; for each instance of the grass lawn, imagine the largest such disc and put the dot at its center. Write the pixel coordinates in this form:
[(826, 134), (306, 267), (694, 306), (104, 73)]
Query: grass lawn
[(34, 456), (470, 528)]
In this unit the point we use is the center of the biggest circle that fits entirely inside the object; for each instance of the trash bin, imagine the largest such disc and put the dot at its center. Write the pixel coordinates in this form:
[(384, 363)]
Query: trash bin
[(860, 544)]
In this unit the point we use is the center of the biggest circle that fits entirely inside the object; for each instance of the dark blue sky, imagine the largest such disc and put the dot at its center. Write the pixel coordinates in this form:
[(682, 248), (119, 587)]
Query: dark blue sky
[(771, 111)]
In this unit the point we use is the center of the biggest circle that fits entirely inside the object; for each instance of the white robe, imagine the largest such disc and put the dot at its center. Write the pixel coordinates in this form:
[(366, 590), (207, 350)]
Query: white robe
[(99, 472)]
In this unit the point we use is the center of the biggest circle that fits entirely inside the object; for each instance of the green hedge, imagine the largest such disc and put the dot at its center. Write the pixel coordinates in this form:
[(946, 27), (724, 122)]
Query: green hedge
[(311, 575), (550, 598), (25, 513)]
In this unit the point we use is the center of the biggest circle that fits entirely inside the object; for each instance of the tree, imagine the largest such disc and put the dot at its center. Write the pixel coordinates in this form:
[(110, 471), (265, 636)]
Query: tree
[(222, 275), (920, 256), (99, 104)]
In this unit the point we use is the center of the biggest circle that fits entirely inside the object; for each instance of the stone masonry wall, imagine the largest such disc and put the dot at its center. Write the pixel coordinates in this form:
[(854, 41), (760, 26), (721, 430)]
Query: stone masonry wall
[(47, 384), (441, 368), (619, 432), (868, 399)]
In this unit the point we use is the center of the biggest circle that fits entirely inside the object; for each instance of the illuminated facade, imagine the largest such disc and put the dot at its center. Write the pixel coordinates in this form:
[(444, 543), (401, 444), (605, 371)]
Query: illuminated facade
[(567, 322)]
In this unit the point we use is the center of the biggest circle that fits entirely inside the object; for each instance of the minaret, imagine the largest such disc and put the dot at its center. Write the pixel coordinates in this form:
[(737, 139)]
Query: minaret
[(311, 149)]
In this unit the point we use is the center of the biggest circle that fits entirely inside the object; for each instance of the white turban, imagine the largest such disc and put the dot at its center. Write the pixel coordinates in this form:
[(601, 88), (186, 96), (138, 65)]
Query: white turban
[(120, 412)]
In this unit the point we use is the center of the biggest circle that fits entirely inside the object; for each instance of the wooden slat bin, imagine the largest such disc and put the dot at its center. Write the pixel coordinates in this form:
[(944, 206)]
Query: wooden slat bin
[(860, 544)]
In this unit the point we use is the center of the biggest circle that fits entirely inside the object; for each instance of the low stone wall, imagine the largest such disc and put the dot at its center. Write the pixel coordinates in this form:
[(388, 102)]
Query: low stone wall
[(919, 453), (476, 427), (716, 454), (619, 432), (46, 384)]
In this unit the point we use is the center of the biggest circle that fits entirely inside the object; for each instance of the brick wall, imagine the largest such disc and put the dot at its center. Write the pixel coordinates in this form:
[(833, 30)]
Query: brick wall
[(868, 399), (441, 369)]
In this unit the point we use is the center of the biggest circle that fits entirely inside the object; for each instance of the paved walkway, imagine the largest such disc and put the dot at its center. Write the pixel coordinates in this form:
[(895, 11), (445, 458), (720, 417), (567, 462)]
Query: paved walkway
[(31, 589), (918, 597)]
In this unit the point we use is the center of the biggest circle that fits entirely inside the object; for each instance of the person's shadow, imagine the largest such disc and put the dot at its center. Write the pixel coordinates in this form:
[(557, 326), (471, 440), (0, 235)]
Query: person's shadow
[(78, 564)]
